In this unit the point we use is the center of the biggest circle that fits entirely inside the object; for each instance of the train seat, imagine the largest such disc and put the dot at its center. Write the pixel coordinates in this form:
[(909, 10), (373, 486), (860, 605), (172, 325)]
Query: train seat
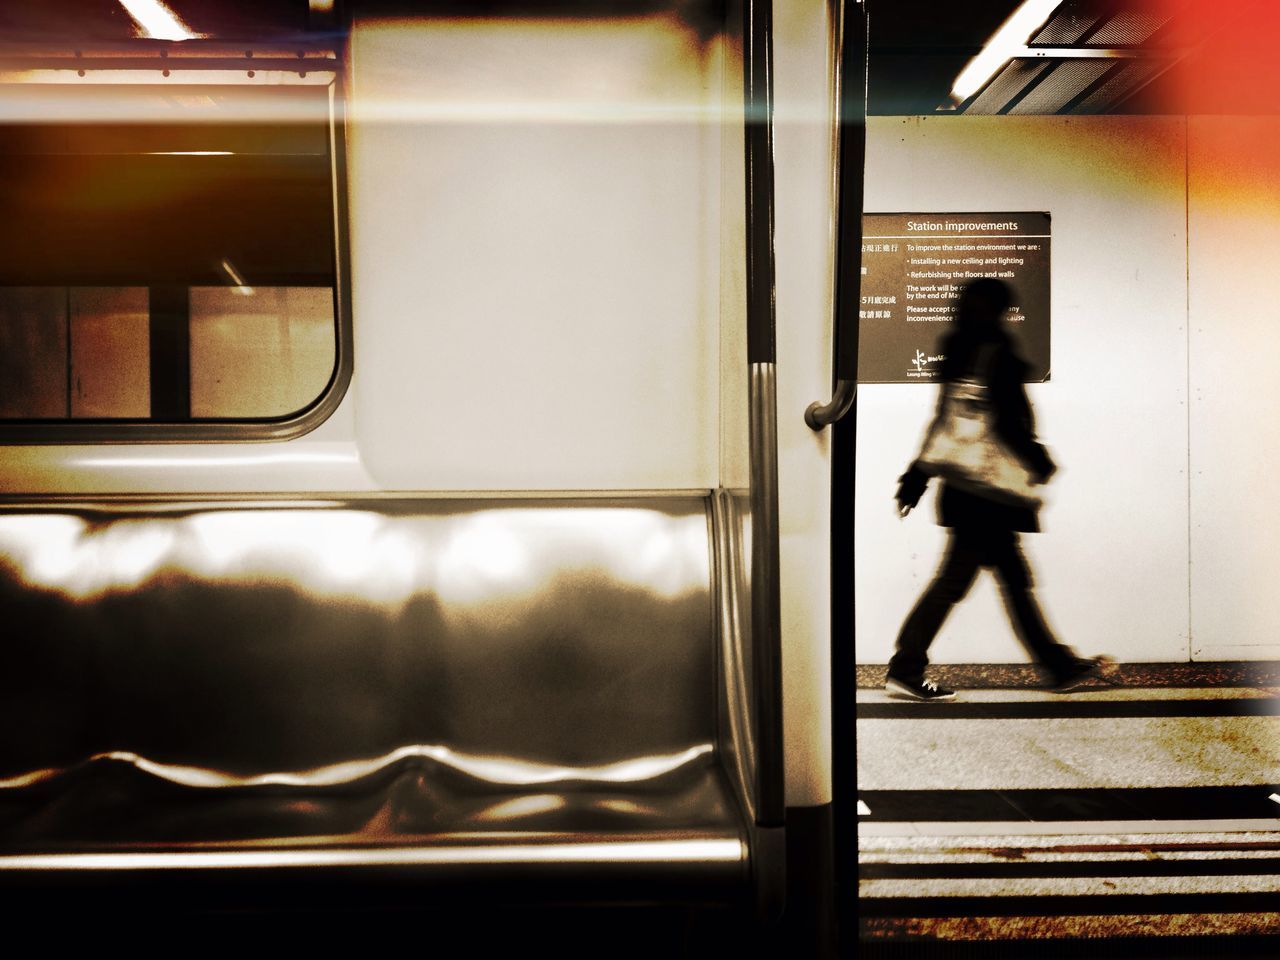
[(436, 692)]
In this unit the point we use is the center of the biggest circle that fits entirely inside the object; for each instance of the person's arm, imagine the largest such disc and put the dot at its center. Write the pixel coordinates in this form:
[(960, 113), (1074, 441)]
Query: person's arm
[(912, 484), (1014, 420)]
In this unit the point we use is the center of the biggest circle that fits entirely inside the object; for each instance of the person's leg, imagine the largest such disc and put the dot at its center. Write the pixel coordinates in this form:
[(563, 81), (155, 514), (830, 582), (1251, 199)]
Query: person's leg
[(1005, 555), (955, 576)]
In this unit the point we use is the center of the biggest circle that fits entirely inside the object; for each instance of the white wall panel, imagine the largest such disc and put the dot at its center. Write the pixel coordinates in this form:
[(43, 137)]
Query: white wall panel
[(735, 432), (803, 233), (535, 252), (1112, 562), (1234, 216)]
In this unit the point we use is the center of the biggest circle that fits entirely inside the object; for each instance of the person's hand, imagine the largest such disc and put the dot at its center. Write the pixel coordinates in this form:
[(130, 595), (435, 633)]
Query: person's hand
[(910, 489), (1044, 469)]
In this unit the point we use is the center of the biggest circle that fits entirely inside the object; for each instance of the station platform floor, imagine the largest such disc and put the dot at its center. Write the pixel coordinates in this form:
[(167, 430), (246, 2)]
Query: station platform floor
[(1143, 807)]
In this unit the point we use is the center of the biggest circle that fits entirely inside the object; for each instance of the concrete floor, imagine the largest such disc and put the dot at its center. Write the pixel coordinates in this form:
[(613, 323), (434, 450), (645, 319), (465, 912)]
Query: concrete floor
[(1113, 813), (1066, 752)]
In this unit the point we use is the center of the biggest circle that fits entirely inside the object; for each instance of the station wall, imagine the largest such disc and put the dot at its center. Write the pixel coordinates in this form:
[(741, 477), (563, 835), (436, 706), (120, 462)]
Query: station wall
[(1234, 215), (1139, 558)]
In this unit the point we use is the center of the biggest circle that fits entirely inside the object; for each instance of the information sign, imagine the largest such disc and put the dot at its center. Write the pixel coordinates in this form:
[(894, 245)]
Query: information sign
[(914, 266)]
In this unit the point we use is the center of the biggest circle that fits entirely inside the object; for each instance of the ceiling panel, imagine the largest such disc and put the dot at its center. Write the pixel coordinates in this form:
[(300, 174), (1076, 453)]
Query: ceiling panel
[(1129, 28), (1069, 25), (1170, 56), (1064, 84), (1008, 83)]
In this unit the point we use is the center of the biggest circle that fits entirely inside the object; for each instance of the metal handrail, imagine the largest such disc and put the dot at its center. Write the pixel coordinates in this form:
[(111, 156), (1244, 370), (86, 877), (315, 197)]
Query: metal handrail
[(766, 616), (818, 415), (851, 89)]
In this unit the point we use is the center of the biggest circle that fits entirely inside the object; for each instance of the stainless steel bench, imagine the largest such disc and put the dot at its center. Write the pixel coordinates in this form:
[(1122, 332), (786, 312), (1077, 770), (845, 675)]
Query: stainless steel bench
[(552, 695)]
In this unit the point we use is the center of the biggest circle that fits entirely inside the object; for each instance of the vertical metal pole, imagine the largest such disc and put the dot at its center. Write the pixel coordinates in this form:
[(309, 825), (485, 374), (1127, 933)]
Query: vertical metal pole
[(852, 80), (852, 160), (766, 628)]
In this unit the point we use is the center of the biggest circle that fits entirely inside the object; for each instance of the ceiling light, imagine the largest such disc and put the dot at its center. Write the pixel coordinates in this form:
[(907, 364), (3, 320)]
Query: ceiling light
[(1007, 42), (240, 286), (156, 20)]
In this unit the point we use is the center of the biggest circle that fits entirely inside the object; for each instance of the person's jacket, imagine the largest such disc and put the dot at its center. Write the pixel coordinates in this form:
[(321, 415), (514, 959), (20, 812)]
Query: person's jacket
[(1014, 422)]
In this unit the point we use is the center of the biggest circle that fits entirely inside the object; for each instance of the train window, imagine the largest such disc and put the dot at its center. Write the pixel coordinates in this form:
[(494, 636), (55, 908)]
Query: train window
[(259, 351), (169, 260), (73, 352)]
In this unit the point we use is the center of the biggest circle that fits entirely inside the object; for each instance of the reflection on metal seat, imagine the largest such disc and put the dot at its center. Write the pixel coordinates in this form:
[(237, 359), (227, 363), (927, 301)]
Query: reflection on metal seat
[(517, 690)]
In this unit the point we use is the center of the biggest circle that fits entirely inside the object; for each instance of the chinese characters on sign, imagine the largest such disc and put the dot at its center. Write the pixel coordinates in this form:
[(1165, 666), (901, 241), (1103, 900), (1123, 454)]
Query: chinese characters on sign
[(913, 268)]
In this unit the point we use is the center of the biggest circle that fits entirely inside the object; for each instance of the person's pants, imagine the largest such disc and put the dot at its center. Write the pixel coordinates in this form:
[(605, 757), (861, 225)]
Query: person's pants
[(968, 551)]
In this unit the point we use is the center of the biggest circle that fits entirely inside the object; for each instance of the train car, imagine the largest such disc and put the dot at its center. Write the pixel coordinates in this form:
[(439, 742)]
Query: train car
[(396, 518), (450, 453)]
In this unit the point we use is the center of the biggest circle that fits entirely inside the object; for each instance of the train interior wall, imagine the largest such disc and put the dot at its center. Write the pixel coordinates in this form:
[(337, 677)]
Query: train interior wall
[(1157, 542), (547, 249), (548, 307), (533, 206), (564, 309), (803, 160)]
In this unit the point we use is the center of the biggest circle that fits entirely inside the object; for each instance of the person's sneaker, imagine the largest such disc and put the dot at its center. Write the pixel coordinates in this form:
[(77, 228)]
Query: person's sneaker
[(925, 690), (1080, 673)]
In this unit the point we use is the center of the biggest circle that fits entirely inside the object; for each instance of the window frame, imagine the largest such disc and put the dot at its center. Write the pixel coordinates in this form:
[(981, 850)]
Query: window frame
[(195, 63)]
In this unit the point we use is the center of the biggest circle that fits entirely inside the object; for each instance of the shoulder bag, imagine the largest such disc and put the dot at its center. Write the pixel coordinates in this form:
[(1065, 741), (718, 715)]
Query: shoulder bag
[(963, 447)]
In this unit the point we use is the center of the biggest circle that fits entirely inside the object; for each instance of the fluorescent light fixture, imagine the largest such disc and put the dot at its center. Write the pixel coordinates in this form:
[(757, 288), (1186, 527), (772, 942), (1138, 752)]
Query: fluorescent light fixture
[(157, 21), (190, 153), (1007, 42), (241, 287)]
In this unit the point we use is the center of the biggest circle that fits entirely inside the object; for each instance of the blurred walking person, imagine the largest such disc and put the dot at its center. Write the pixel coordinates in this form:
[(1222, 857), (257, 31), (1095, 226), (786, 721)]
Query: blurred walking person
[(983, 447)]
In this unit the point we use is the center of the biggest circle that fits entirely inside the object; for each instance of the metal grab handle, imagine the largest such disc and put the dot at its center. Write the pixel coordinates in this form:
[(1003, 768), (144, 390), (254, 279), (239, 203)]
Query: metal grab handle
[(850, 154), (818, 415)]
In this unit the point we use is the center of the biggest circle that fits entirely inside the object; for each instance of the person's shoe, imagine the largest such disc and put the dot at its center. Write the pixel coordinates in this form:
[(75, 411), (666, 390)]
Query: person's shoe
[(1077, 675), (925, 690)]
